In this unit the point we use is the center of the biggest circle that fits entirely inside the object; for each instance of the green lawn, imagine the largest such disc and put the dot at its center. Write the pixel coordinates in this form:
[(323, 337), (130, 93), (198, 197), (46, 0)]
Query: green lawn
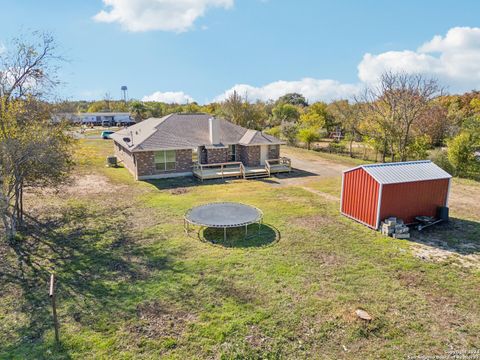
[(132, 285)]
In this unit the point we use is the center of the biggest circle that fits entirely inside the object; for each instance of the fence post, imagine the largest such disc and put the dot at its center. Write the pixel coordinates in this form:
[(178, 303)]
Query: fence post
[(51, 294)]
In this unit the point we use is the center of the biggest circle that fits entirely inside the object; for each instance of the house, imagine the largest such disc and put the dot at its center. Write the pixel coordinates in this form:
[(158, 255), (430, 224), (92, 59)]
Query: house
[(97, 118), (371, 193), (199, 145)]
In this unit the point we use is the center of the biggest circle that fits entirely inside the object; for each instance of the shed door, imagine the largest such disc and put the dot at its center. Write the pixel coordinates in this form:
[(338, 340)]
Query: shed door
[(263, 154)]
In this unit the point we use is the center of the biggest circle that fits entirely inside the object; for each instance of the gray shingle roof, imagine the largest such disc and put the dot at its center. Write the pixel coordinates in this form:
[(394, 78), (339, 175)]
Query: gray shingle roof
[(183, 131), (401, 172)]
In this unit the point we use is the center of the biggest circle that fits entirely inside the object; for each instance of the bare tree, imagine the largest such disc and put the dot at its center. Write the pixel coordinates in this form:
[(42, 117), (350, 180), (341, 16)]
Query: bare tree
[(349, 117), (29, 67), (33, 151), (395, 105)]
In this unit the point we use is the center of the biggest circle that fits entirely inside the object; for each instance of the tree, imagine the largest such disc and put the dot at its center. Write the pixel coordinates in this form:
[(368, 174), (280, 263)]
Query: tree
[(284, 113), (138, 110), (435, 123), (309, 135), (418, 149), (461, 154), (312, 119), (289, 132), (293, 99), (349, 118), (321, 109), (233, 108), (33, 151), (395, 105)]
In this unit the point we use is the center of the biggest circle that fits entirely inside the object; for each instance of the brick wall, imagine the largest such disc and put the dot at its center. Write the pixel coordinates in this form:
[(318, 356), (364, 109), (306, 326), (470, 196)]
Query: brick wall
[(219, 155), (273, 151), (145, 161), (126, 157), (249, 155)]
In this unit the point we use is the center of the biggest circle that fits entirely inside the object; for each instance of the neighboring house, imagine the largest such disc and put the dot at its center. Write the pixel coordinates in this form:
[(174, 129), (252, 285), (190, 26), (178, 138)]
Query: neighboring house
[(188, 144), (98, 118)]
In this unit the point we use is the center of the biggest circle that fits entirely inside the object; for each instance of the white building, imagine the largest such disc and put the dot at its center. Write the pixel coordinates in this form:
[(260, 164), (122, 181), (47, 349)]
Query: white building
[(98, 118)]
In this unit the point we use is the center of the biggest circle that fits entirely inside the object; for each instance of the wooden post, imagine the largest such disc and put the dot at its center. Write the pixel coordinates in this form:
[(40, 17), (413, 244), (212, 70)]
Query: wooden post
[(51, 293)]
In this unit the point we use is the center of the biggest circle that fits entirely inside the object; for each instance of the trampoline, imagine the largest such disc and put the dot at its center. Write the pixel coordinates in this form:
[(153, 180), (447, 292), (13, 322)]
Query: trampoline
[(223, 215)]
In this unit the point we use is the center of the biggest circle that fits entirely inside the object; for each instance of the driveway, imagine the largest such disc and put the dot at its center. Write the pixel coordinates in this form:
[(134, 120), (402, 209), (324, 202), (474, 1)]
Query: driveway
[(309, 166)]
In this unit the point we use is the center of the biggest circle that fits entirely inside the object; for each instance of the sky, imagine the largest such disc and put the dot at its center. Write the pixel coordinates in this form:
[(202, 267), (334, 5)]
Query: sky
[(202, 50)]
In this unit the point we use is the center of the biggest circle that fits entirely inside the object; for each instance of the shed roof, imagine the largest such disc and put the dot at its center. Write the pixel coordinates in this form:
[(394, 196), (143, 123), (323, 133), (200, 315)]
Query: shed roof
[(402, 172)]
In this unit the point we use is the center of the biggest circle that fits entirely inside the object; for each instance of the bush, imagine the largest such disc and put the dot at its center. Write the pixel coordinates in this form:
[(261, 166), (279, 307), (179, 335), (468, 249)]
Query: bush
[(337, 148), (440, 157), (418, 149), (461, 154)]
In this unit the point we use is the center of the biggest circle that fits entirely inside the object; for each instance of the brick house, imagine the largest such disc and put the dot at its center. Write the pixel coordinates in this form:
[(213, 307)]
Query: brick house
[(170, 146)]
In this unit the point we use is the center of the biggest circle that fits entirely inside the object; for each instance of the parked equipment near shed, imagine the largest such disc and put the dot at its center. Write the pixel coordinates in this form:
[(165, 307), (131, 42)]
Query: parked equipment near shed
[(404, 190)]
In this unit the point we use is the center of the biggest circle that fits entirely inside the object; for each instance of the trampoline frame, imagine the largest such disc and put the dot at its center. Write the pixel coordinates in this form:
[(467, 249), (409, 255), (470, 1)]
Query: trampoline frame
[(258, 220)]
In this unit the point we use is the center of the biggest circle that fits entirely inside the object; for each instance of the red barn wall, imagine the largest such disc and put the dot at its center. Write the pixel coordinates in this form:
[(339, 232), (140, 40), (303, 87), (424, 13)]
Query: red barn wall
[(360, 196), (407, 200)]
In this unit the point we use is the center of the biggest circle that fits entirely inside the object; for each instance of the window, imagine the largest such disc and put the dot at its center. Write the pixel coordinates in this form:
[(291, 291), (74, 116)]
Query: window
[(273, 151), (232, 153), (195, 156), (165, 160)]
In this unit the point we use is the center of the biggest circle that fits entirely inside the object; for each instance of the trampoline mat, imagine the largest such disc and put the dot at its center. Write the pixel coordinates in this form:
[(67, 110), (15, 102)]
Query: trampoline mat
[(223, 215)]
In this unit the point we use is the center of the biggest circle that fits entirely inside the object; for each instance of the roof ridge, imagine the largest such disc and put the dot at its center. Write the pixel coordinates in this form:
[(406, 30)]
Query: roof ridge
[(162, 120), (396, 163)]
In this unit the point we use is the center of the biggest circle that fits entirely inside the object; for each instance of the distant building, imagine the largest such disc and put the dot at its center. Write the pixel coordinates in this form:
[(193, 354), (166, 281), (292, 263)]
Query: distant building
[(97, 118)]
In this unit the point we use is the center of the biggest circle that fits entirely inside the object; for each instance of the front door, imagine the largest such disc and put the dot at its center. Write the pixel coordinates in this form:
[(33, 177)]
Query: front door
[(263, 154)]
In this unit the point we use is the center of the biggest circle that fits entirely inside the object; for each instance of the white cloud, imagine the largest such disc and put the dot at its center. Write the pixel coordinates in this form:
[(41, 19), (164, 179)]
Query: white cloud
[(453, 58), (312, 89), (170, 97), (165, 15)]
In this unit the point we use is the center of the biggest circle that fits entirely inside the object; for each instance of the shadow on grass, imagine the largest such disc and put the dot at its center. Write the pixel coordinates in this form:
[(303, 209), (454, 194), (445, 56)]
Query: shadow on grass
[(257, 236), (186, 182), (190, 181), (95, 261), (458, 235)]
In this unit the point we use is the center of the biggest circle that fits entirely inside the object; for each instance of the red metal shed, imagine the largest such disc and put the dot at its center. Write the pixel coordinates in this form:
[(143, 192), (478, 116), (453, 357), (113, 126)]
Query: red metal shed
[(371, 193)]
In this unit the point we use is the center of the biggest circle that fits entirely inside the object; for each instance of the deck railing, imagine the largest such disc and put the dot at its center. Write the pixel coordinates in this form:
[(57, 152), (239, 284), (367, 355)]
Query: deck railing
[(221, 170), (199, 168), (282, 161)]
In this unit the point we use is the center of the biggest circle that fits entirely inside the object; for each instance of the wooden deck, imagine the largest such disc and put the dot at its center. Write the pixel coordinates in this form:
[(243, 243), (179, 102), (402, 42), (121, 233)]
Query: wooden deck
[(237, 169)]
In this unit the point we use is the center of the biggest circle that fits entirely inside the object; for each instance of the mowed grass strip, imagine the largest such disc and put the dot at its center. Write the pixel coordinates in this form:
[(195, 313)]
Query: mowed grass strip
[(133, 285)]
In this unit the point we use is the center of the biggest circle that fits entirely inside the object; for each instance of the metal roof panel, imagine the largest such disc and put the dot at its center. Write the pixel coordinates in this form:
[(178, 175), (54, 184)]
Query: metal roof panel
[(401, 172)]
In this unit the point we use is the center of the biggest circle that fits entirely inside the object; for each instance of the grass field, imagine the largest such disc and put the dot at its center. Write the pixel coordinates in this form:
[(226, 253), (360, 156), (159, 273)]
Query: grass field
[(132, 285)]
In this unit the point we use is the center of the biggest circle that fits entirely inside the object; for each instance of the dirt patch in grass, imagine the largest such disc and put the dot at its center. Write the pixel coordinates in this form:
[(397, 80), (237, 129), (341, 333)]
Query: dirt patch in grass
[(256, 339), (179, 191), (157, 319), (91, 184), (84, 185), (435, 254), (457, 242)]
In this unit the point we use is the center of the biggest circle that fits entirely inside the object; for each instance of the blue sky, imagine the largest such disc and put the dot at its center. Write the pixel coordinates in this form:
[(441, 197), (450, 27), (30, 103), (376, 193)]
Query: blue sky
[(202, 49)]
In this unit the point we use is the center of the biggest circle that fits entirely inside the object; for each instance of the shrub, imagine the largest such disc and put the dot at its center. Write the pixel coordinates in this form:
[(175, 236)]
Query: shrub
[(440, 157), (461, 154)]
